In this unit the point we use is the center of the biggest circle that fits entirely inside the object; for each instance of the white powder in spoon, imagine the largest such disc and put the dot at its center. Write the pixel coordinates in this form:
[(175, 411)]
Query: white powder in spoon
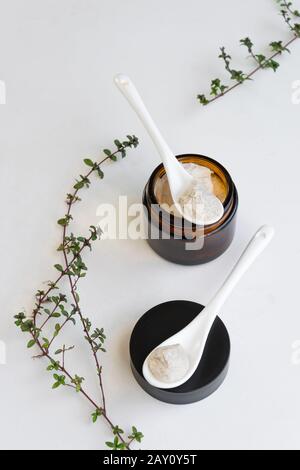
[(169, 364)]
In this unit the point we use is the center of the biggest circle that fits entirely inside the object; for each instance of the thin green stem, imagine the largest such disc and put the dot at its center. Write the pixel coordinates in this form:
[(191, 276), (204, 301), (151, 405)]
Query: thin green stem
[(55, 336), (50, 315)]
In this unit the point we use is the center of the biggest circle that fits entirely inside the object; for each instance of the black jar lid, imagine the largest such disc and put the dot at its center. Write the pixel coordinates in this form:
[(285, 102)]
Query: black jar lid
[(161, 322)]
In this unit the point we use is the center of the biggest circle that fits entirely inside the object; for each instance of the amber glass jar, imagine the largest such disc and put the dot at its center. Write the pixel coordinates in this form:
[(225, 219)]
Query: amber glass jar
[(176, 239)]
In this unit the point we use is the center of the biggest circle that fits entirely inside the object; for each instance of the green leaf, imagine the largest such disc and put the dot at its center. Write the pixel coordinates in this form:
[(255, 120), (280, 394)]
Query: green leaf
[(59, 267), (296, 29), (260, 58), (107, 152), (136, 435), (79, 185), (139, 436), (19, 319), (117, 430), (277, 46), (59, 380), (31, 343), (116, 445), (238, 75), (55, 315), (110, 445), (20, 316), (88, 162), (77, 381), (46, 343), (53, 366), (96, 414), (63, 222), (247, 43), (26, 326), (100, 173), (203, 100), (135, 141), (216, 88), (272, 64)]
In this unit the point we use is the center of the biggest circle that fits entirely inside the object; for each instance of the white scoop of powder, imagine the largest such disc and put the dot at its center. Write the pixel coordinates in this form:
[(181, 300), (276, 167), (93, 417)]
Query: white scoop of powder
[(198, 203), (202, 174), (169, 363)]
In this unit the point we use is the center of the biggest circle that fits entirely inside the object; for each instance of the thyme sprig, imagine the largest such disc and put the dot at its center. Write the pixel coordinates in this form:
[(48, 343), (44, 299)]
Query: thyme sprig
[(53, 307), (261, 61)]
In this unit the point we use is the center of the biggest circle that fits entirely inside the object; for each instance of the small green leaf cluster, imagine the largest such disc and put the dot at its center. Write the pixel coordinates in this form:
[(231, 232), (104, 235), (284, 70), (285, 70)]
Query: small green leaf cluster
[(237, 75), (118, 444), (98, 337), (23, 323), (27, 325), (64, 221), (77, 381), (59, 380), (288, 6), (136, 435), (54, 365), (131, 142), (98, 412)]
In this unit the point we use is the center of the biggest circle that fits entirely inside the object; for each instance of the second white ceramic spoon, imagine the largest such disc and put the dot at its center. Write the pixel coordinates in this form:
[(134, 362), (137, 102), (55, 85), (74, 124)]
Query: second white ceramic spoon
[(180, 181), (193, 337)]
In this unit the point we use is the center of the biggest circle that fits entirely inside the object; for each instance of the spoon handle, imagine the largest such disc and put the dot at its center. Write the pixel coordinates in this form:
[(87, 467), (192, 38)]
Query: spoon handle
[(255, 247), (173, 168)]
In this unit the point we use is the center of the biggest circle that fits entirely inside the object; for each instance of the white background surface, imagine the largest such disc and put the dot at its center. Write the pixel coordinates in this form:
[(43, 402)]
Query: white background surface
[(58, 59)]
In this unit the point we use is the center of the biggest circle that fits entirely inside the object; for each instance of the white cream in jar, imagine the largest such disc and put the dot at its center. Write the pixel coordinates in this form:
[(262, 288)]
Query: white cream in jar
[(205, 180)]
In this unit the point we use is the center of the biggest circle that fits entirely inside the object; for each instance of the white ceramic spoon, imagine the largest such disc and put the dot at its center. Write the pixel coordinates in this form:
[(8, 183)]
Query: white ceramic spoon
[(180, 181), (193, 337)]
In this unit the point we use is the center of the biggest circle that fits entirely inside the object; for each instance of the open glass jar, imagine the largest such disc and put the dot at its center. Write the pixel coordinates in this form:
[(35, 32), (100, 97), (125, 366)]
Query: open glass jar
[(178, 240)]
